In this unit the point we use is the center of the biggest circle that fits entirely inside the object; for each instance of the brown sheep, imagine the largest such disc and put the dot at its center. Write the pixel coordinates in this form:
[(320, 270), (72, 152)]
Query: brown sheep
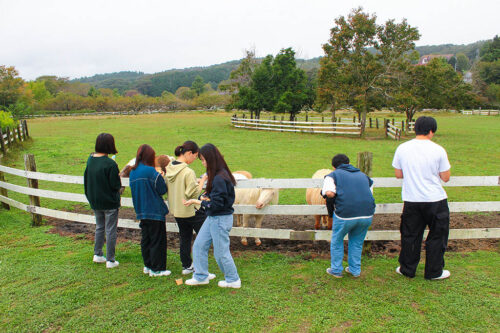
[(313, 197)]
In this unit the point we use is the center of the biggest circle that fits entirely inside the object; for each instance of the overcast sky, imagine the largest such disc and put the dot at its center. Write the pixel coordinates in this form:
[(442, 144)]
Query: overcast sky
[(74, 38)]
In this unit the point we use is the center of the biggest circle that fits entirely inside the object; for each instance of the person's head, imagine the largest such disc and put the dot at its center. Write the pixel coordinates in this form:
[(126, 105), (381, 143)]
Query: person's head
[(212, 159), (105, 144), (339, 159), (145, 155), (188, 151), (424, 125), (161, 162)]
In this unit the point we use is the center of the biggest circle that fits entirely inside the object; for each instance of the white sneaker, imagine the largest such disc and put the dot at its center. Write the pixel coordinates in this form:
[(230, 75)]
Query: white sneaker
[(235, 284), (446, 274), (398, 270), (112, 264), (189, 270), (146, 270), (194, 282), (159, 273), (99, 259), (211, 276)]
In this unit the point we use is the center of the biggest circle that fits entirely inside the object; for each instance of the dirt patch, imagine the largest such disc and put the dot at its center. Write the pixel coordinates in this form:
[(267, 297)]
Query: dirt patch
[(308, 249)]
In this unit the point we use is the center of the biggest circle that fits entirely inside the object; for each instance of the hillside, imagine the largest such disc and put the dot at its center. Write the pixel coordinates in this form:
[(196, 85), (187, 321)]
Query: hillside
[(171, 80)]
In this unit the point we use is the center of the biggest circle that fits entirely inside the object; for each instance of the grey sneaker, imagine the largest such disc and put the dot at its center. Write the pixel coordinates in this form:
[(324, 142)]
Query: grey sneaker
[(99, 259), (329, 271), (446, 274), (348, 271)]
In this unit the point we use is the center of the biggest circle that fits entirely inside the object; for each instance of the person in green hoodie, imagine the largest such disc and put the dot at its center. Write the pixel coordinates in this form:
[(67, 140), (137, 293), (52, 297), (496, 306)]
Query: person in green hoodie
[(102, 188), (183, 185)]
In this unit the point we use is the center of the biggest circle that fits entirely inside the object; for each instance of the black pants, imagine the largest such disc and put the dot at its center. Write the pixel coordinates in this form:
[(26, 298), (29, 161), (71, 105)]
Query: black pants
[(154, 244), (186, 227), (416, 216)]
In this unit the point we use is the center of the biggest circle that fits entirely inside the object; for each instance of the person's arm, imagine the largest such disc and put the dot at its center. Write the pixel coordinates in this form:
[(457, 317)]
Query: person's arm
[(398, 173), (217, 195), (160, 186), (114, 178), (329, 189), (445, 176), (193, 189)]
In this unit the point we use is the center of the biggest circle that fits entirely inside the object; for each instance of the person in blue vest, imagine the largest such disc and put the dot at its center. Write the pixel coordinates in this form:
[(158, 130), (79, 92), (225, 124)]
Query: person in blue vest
[(352, 215)]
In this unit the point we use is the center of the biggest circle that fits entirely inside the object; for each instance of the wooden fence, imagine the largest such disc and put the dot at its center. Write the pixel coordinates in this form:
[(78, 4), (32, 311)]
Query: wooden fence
[(343, 128), (11, 135), (481, 112), (37, 211)]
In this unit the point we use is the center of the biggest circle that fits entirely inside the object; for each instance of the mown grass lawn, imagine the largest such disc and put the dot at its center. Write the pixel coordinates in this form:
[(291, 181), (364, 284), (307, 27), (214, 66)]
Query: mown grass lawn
[(48, 283), (62, 145)]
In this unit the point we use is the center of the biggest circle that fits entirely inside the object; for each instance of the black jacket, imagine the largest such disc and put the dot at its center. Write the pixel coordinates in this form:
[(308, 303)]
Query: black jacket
[(221, 197)]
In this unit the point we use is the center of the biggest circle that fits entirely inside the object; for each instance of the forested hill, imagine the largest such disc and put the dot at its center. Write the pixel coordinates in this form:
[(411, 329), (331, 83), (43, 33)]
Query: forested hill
[(171, 80)]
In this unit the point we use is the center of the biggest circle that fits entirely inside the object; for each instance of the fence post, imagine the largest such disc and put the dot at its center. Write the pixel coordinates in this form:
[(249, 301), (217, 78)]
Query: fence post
[(365, 163), (2, 142), (2, 190), (354, 119), (402, 125), (370, 122), (23, 123), (376, 122), (30, 165), (322, 119), (19, 127), (9, 143), (393, 121)]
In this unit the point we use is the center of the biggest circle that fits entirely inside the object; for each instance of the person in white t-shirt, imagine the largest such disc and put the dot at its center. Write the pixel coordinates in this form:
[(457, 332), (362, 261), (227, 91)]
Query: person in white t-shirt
[(423, 164)]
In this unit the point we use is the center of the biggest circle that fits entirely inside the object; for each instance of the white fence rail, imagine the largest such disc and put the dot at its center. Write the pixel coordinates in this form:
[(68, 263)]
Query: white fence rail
[(350, 128), (250, 209)]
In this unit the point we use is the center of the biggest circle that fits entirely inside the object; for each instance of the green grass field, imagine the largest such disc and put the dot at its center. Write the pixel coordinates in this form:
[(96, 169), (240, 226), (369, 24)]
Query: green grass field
[(62, 145), (48, 282)]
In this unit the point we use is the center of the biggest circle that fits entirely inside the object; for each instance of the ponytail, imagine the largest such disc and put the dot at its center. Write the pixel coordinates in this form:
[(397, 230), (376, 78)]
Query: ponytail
[(185, 147)]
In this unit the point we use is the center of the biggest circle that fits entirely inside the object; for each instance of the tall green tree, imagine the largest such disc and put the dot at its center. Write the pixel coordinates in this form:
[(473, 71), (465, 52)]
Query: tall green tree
[(290, 84), (435, 85), (276, 84), (463, 63), (198, 85), (352, 67)]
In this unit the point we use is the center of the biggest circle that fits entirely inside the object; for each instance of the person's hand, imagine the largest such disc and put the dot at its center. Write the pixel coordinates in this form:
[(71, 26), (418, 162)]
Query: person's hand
[(203, 179), (190, 202)]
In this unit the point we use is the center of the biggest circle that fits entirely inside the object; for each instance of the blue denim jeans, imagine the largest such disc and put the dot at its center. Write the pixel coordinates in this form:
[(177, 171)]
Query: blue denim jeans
[(215, 230), (356, 229)]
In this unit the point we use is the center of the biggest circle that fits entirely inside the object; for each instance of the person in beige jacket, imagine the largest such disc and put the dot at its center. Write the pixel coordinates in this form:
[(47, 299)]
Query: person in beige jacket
[(183, 185)]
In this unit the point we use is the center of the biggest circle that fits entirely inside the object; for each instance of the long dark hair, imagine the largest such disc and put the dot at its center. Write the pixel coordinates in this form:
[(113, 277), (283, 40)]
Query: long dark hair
[(185, 147), (145, 155), (216, 165)]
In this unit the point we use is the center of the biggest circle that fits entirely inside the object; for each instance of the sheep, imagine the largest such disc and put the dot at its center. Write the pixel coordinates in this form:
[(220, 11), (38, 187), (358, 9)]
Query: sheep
[(252, 196), (313, 197)]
